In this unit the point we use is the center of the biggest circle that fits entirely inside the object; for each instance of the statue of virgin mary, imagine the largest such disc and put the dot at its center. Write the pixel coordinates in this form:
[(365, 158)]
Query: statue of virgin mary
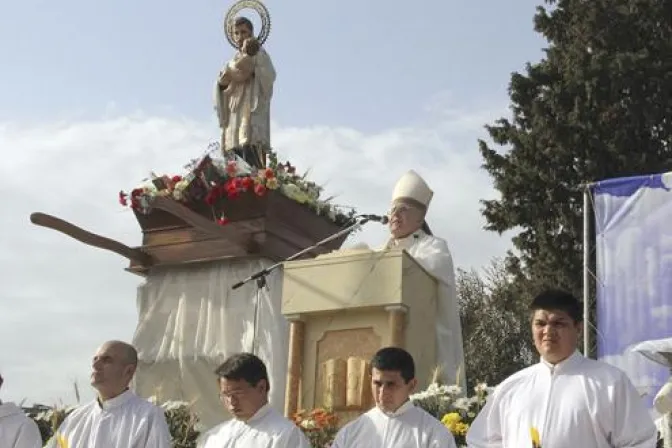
[(243, 97)]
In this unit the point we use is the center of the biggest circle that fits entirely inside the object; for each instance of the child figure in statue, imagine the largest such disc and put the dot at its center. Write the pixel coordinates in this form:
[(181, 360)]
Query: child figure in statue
[(242, 65)]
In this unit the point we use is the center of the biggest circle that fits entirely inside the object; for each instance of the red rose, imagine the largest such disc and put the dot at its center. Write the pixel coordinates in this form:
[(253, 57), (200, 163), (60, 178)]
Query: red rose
[(176, 179), (122, 198), (269, 174), (247, 183), (232, 194), (223, 221), (259, 190)]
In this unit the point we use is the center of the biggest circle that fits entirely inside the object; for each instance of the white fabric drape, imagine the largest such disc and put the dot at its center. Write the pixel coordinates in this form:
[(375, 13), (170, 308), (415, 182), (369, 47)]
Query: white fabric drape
[(190, 320)]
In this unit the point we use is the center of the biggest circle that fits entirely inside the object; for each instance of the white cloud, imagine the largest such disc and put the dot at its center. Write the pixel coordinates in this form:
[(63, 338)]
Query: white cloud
[(60, 298), (663, 312)]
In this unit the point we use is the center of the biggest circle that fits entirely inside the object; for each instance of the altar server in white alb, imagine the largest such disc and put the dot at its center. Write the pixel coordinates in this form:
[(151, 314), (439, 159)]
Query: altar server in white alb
[(244, 386), (117, 418), (409, 230), (17, 430), (566, 400), (395, 422)]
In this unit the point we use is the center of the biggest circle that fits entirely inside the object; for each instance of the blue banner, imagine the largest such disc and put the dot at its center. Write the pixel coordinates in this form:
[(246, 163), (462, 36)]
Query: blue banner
[(634, 273)]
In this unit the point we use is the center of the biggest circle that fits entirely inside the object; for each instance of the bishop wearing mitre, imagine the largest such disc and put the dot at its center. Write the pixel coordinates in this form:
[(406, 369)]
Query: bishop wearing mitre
[(409, 230)]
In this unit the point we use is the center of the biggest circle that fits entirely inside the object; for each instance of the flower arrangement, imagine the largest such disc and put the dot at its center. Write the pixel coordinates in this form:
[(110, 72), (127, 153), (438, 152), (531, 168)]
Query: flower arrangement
[(212, 179), (448, 404), (182, 422), (319, 426)]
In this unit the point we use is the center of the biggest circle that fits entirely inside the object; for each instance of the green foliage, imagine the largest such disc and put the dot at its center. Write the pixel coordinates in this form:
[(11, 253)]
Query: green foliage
[(182, 423), (495, 325), (596, 107)]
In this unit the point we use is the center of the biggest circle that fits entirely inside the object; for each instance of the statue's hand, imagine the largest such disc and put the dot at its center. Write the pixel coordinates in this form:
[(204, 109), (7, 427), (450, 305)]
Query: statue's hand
[(224, 79)]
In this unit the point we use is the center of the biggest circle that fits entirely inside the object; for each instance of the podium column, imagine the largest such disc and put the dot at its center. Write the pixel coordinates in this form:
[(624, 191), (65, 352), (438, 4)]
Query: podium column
[(397, 325), (297, 331)]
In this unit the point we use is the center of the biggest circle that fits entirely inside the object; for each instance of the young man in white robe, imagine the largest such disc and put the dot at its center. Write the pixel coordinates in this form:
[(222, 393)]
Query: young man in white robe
[(395, 422), (566, 400), (244, 386), (17, 430), (117, 418), (409, 230)]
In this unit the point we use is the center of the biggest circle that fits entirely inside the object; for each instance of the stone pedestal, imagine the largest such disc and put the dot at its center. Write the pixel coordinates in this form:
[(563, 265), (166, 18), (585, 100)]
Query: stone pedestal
[(344, 306)]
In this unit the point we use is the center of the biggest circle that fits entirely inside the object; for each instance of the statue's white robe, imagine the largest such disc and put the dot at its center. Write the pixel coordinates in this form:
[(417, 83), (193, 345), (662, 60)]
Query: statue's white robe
[(433, 254), (664, 427), (244, 110), (408, 427), (126, 421), (17, 430), (578, 403), (266, 429)]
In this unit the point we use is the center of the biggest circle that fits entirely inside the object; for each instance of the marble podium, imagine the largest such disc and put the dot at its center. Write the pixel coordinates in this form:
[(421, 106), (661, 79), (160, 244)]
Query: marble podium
[(343, 307)]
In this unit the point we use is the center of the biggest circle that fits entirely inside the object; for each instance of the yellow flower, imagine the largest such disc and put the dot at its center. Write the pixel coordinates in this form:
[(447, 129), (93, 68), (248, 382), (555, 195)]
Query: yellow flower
[(272, 183), (534, 434), (451, 418), (61, 441), (453, 421), (460, 429)]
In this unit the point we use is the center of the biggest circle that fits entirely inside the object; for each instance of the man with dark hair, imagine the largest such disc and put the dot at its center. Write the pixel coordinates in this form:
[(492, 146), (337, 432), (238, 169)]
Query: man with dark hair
[(566, 400), (17, 430), (244, 386), (394, 422), (117, 418)]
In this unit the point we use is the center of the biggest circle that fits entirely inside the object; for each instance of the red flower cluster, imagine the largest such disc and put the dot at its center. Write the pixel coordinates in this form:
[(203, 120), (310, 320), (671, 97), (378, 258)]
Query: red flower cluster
[(232, 188)]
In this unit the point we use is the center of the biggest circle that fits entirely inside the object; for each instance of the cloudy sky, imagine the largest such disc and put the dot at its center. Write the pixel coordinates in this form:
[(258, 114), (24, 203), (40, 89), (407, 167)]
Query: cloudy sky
[(94, 95)]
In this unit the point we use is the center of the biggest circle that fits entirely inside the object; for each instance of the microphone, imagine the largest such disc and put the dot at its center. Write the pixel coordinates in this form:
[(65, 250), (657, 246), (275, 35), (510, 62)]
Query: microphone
[(377, 218)]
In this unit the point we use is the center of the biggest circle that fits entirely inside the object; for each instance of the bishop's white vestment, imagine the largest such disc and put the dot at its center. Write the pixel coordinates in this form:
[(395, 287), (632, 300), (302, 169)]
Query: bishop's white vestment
[(578, 403), (266, 429), (433, 254), (408, 427), (664, 427), (17, 430), (126, 421)]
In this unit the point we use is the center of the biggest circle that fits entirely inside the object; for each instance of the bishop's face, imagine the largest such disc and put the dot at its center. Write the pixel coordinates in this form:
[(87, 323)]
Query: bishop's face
[(389, 389), (555, 334), (405, 219)]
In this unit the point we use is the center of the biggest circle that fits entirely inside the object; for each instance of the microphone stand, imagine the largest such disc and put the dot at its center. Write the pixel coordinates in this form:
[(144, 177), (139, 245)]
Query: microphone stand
[(260, 276)]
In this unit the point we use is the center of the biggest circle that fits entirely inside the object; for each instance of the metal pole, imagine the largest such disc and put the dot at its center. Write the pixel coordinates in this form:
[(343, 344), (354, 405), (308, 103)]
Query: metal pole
[(586, 271)]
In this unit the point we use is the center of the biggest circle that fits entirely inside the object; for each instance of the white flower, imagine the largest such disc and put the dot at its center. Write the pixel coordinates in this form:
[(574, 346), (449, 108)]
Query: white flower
[(462, 403), (308, 424), (454, 390), (481, 388), (174, 404), (181, 185)]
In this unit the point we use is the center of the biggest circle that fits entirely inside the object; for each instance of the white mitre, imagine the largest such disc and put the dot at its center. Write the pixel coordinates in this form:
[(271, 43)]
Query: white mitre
[(412, 187)]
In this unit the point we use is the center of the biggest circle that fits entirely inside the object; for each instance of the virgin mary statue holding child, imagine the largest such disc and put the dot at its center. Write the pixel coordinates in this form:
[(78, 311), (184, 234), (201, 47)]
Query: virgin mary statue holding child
[(244, 88)]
